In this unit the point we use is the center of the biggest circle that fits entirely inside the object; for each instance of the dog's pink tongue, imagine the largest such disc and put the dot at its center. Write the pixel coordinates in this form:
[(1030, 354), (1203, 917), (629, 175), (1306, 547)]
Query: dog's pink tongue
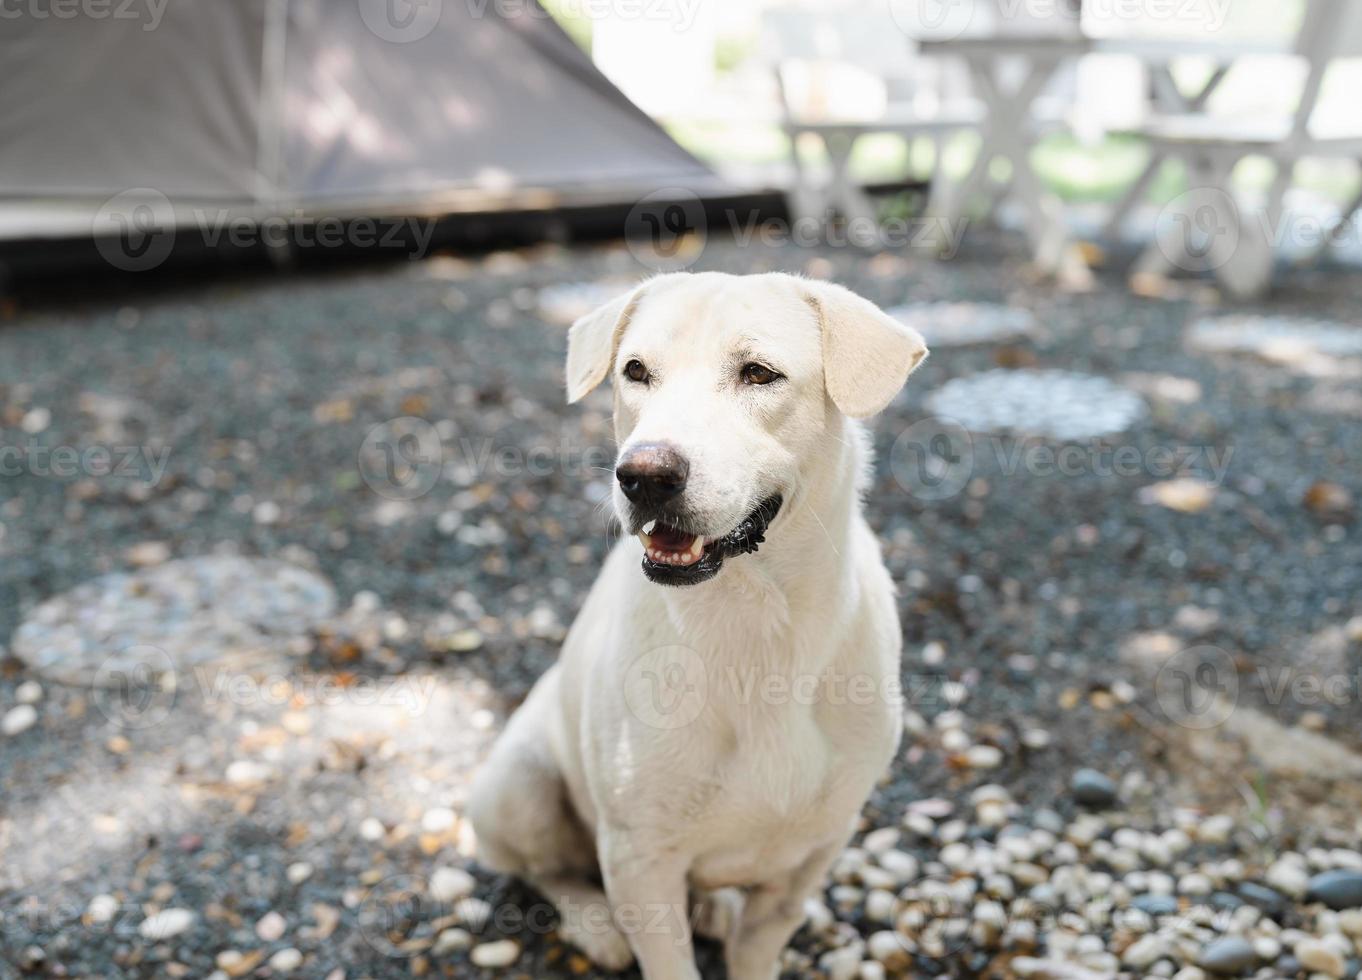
[(666, 538)]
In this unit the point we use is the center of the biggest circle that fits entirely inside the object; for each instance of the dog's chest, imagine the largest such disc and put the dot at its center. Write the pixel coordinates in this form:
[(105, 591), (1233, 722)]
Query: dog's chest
[(781, 791)]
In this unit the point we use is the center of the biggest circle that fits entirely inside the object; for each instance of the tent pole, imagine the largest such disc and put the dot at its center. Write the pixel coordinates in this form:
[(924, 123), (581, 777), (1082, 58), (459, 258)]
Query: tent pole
[(269, 200)]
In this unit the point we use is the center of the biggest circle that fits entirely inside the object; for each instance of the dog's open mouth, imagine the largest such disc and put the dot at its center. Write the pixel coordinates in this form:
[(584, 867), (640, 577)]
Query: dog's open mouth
[(672, 556)]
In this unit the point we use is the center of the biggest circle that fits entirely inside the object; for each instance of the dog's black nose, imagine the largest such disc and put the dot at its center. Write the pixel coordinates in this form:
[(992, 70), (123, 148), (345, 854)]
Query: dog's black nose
[(652, 474)]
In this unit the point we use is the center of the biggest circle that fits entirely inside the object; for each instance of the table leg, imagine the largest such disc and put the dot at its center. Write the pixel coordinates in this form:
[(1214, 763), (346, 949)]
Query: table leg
[(1167, 91), (1013, 140), (854, 204)]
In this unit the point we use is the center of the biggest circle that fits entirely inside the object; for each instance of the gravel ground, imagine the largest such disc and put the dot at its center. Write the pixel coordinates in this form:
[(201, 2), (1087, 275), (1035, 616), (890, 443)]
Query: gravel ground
[(1064, 803)]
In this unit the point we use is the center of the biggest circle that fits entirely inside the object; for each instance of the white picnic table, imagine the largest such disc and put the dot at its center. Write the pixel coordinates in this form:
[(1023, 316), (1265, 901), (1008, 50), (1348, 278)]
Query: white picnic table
[(1008, 129), (1007, 132)]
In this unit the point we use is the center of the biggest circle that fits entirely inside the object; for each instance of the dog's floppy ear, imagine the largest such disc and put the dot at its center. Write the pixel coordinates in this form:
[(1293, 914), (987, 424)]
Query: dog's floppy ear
[(867, 354), (591, 343)]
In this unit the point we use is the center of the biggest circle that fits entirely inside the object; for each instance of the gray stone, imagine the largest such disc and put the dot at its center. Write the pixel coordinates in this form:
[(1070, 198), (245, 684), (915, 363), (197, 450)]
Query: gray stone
[(1156, 905), (1267, 899), (1227, 956), (1092, 788), (1339, 889)]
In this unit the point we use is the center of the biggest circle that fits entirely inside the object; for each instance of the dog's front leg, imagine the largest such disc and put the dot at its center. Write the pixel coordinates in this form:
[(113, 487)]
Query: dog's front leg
[(648, 896), (773, 912)]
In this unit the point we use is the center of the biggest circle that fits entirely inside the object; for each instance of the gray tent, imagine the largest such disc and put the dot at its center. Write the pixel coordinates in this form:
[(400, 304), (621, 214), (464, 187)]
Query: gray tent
[(313, 107)]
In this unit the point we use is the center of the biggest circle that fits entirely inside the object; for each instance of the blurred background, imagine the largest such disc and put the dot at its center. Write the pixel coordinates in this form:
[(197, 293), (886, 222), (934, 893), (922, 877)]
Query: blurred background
[(292, 511)]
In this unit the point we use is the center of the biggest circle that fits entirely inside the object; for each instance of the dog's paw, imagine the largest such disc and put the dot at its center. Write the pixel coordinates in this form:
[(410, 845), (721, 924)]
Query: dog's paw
[(601, 943)]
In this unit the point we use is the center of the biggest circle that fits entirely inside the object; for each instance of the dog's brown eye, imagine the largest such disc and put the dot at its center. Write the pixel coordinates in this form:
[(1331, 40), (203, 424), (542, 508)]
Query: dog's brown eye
[(635, 371), (758, 374)]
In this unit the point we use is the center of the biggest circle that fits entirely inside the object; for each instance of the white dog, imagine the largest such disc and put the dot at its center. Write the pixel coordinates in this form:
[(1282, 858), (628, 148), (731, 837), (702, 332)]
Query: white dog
[(726, 699)]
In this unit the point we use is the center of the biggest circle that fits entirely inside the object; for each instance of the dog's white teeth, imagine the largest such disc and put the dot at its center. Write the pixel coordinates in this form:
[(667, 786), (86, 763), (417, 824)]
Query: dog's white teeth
[(696, 546), (650, 527), (647, 542)]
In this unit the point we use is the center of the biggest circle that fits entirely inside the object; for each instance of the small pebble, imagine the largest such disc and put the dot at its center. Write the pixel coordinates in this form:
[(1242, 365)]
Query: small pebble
[(166, 924), (19, 719), (1227, 956), (1267, 899), (1288, 876), (495, 955), (1143, 952), (984, 757), (879, 841), (1092, 789), (1317, 956), (286, 960), (271, 927), (451, 941), (102, 909), (448, 885), (1156, 905)]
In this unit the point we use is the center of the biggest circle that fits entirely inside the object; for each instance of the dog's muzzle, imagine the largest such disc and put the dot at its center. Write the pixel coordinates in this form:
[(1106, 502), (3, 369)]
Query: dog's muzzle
[(673, 556)]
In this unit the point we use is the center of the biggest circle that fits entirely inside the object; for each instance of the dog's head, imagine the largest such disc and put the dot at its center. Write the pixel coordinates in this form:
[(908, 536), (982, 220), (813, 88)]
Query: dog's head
[(724, 388)]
